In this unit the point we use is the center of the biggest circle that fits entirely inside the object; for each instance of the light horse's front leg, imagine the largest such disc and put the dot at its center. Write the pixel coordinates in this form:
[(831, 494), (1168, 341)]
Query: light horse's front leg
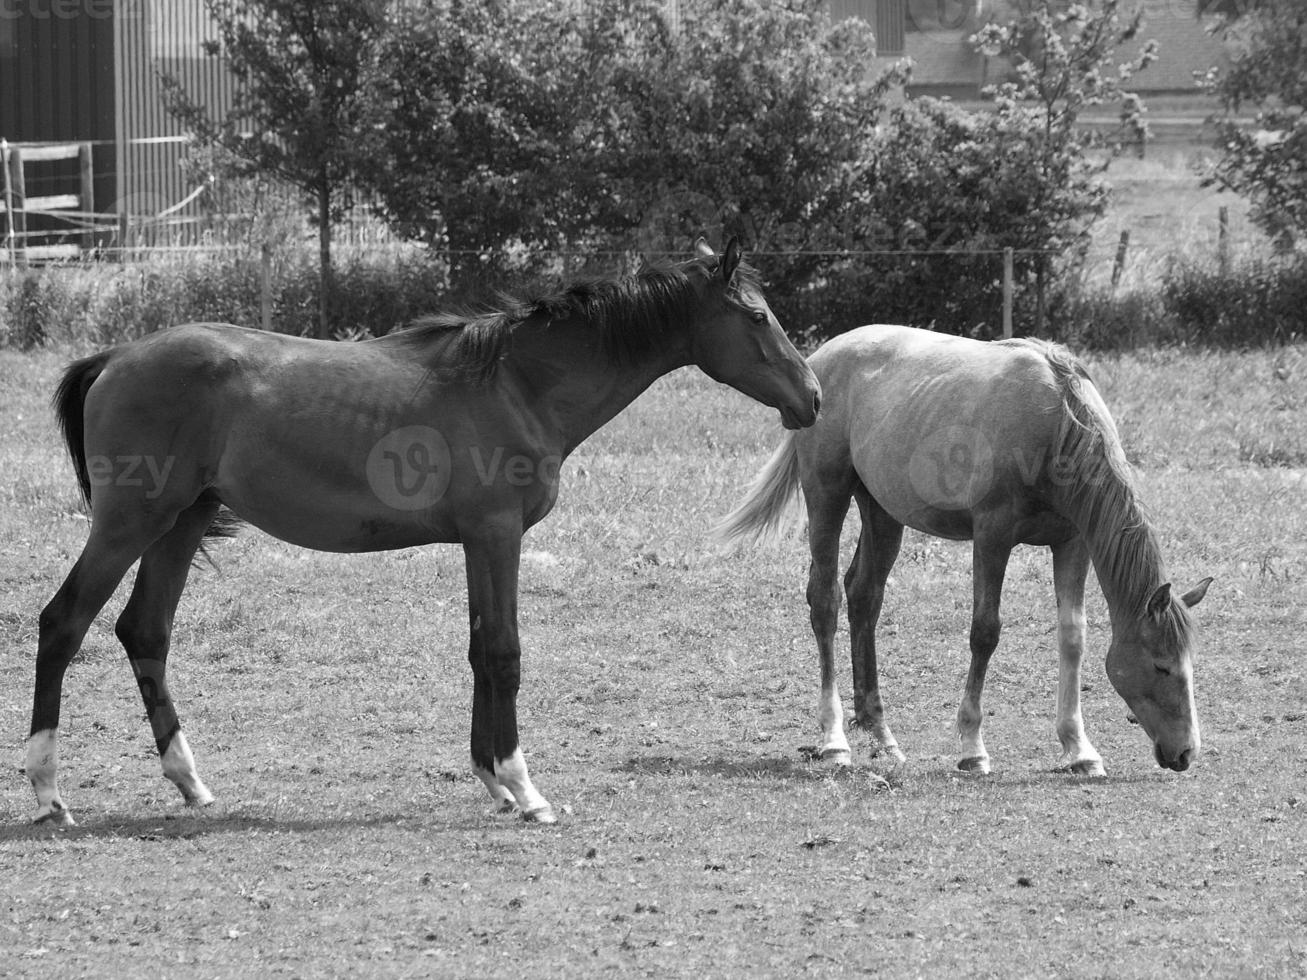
[(493, 552), (1070, 566)]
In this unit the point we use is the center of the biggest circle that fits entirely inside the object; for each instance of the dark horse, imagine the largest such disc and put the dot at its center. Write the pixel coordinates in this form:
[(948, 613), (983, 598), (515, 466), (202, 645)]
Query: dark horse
[(373, 446)]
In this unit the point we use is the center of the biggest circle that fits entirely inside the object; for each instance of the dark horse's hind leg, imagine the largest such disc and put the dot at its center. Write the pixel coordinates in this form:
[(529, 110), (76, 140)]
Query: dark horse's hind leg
[(864, 584), (492, 552), (110, 550), (145, 629)]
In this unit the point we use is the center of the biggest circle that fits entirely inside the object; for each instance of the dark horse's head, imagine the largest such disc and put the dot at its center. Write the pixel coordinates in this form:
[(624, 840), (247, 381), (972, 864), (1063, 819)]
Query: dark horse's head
[(738, 341)]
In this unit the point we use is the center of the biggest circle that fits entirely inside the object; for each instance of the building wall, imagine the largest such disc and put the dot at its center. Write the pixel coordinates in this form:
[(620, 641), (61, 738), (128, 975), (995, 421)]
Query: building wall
[(938, 33), (167, 36), (56, 85)]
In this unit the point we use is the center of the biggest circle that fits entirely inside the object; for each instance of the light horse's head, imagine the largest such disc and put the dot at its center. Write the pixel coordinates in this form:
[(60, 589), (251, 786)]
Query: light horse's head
[(738, 341), (1150, 663)]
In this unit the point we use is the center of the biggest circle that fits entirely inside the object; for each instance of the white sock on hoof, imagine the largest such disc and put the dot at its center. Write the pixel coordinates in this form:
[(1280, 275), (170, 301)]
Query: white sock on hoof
[(179, 766), (42, 766)]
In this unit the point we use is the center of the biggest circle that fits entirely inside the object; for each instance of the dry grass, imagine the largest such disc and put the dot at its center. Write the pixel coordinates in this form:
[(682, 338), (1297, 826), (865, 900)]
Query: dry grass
[(667, 691)]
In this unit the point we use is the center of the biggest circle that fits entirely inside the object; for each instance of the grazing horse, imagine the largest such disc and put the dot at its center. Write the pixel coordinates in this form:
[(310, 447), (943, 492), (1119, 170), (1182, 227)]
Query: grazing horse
[(450, 431), (1001, 443)]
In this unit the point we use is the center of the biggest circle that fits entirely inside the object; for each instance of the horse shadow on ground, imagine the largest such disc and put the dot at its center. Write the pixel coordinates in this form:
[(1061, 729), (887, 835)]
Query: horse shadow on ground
[(186, 826), (802, 766)]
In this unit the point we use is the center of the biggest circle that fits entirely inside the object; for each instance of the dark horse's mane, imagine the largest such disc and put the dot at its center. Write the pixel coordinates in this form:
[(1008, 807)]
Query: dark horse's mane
[(631, 316)]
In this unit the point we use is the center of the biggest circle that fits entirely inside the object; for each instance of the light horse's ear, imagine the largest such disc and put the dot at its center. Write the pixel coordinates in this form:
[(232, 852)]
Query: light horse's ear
[(731, 261), (1195, 595), (1160, 601)]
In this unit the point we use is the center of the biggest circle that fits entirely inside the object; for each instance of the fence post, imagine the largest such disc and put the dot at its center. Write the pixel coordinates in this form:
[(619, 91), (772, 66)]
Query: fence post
[(15, 203), (1007, 292), (87, 192), (265, 287), (9, 200), (1223, 239), (1118, 266)]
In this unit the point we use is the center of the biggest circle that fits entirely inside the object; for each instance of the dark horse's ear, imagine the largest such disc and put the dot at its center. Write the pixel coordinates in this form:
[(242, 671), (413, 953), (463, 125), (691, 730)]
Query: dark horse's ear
[(1160, 601), (702, 250), (1195, 595), (731, 261)]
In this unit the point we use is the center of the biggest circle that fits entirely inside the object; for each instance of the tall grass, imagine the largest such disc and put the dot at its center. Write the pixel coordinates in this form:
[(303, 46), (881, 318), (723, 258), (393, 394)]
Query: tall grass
[(95, 304), (1251, 300)]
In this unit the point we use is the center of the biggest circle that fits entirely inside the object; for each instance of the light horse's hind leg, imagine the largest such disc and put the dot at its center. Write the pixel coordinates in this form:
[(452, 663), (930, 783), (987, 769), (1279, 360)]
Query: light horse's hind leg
[(827, 496), (145, 629), (989, 565), (1070, 566), (110, 550), (864, 585)]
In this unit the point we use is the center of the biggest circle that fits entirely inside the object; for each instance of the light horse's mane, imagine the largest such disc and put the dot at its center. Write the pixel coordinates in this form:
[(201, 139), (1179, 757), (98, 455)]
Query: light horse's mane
[(1095, 486), (632, 316)]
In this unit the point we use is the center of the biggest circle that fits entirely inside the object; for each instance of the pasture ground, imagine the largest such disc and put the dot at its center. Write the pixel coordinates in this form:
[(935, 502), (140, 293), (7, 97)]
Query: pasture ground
[(667, 693)]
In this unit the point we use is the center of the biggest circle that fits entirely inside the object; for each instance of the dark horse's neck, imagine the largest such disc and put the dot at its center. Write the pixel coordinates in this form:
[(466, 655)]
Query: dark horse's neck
[(579, 356), (579, 386)]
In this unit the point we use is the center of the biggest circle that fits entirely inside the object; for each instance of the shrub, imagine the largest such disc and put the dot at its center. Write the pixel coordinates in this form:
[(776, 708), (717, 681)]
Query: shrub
[(1253, 302), (92, 305)]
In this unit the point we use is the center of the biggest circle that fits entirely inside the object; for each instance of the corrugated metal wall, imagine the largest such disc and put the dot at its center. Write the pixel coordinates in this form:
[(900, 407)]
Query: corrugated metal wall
[(56, 85), (154, 36)]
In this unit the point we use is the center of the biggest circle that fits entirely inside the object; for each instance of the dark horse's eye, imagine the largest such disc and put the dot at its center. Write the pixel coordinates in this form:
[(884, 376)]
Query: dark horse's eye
[(1164, 671), (758, 316)]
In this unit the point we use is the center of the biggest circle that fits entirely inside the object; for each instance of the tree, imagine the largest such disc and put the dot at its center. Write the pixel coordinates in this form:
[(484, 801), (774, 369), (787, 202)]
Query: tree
[(1065, 59), (482, 141), (602, 126), (303, 112), (1266, 159)]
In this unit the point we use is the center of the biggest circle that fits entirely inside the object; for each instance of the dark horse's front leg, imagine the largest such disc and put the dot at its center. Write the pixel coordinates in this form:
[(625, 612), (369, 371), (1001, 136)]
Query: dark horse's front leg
[(493, 554)]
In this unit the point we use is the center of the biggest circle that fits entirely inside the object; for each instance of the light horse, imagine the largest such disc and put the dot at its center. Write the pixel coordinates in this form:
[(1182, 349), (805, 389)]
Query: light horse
[(372, 446), (1001, 443)]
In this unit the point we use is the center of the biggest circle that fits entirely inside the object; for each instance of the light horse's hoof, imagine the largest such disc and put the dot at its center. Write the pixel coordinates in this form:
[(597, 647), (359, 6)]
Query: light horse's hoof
[(56, 815), (891, 752), (1087, 767), (541, 814), (977, 765), (841, 758)]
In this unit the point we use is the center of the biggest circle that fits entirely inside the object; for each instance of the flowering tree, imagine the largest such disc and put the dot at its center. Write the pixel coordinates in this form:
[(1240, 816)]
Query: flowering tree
[(1265, 160), (1065, 58)]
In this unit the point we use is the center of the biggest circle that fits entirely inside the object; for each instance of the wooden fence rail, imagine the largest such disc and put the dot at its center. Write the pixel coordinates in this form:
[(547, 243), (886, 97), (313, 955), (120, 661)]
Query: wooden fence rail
[(16, 205)]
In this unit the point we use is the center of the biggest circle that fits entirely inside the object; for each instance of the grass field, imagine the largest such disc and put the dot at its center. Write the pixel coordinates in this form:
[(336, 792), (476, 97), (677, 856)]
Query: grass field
[(667, 693)]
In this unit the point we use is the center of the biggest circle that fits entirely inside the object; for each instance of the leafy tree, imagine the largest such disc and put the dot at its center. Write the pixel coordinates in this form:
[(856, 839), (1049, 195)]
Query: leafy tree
[(1065, 59), (1266, 160), (302, 113), (603, 126), (487, 109)]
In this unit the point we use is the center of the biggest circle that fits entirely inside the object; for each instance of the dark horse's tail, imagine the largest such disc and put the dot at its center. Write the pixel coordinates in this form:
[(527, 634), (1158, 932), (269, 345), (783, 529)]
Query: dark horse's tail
[(70, 409)]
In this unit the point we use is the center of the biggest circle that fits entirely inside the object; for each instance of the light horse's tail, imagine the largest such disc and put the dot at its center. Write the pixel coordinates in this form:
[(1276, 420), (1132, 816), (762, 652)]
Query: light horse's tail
[(761, 515)]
